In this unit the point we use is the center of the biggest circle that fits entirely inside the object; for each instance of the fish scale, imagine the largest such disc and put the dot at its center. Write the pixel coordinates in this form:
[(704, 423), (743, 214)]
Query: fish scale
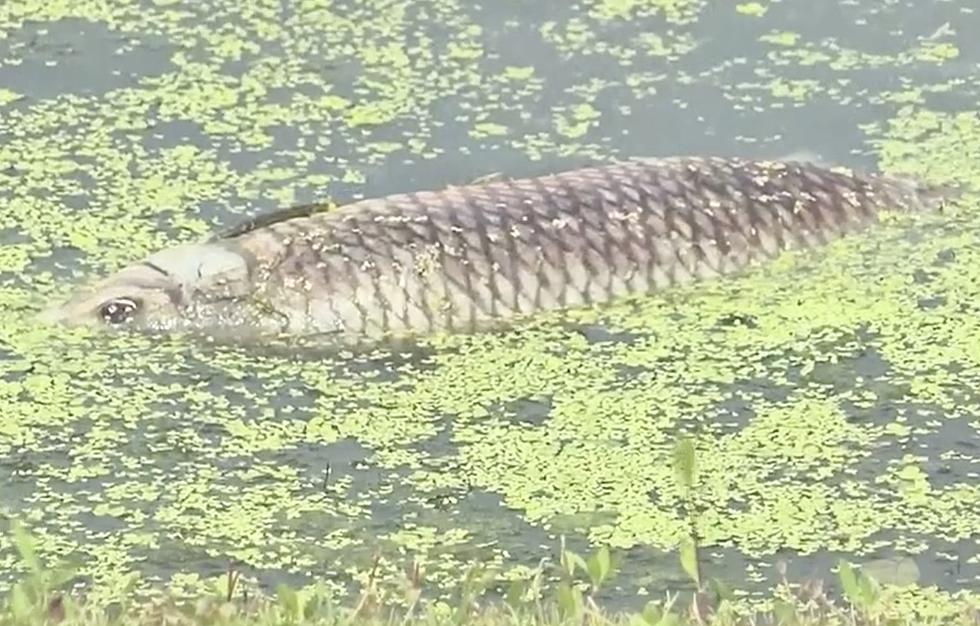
[(463, 256), (468, 256)]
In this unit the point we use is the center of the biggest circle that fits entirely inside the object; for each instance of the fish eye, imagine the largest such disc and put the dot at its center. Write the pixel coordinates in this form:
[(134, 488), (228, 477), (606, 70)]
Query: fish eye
[(118, 311)]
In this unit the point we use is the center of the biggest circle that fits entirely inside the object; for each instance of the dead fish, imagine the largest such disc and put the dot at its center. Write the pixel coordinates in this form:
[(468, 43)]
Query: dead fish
[(466, 256)]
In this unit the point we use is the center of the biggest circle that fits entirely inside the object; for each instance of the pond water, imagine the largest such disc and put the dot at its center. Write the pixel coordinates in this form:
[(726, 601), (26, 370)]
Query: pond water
[(832, 395)]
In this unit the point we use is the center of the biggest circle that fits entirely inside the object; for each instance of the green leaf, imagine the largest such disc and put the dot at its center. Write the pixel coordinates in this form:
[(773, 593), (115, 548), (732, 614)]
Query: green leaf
[(652, 614), (849, 583), (605, 559), (785, 613), (20, 603), (570, 561), (289, 601), (25, 547), (515, 593), (684, 462), (869, 590), (569, 600), (689, 560), (599, 566)]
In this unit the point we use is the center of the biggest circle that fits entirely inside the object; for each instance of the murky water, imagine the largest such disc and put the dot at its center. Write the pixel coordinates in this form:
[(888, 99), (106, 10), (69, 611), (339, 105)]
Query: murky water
[(832, 395)]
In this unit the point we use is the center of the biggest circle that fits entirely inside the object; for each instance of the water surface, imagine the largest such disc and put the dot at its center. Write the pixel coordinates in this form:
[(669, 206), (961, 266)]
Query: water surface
[(832, 395)]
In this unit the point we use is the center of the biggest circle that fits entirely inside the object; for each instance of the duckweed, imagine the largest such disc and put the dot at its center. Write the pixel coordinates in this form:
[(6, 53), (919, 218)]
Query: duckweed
[(831, 395)]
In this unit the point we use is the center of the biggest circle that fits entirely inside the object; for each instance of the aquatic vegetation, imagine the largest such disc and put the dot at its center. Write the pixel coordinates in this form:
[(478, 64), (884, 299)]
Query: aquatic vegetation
[(831, 396), (569, 590)]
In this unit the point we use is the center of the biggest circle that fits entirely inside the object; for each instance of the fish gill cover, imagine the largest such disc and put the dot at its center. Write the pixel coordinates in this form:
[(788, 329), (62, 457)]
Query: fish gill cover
[(832, 395)]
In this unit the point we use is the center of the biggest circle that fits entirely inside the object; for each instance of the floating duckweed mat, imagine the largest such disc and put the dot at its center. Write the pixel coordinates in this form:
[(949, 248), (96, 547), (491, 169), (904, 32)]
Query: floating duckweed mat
[(832, 395)]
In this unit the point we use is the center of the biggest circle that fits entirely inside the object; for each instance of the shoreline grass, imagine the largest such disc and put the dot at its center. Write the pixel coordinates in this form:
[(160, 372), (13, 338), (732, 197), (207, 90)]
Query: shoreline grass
[(38, 598)]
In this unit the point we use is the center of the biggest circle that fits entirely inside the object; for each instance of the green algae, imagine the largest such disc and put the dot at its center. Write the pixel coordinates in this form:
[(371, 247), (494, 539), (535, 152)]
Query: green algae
[(818, 419), (754, 9), (672, 10), (7, 96)]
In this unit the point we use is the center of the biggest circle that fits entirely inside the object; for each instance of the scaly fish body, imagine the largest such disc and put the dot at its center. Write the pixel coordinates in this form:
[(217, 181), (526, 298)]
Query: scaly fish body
[(462, 257)]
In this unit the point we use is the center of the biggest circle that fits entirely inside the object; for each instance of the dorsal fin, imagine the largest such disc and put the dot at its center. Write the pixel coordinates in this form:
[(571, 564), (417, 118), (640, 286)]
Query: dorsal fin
[(272, 217), (305, 210)]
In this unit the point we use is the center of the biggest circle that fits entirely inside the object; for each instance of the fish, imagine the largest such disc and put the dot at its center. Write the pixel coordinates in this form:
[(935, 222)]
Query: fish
[(497, 250)]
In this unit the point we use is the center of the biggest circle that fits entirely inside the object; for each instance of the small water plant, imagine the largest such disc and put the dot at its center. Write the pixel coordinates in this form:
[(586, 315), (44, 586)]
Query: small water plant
[(565, 592)]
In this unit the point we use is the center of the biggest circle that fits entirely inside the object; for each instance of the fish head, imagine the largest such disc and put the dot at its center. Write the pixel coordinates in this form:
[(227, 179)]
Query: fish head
[(191, 287)]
